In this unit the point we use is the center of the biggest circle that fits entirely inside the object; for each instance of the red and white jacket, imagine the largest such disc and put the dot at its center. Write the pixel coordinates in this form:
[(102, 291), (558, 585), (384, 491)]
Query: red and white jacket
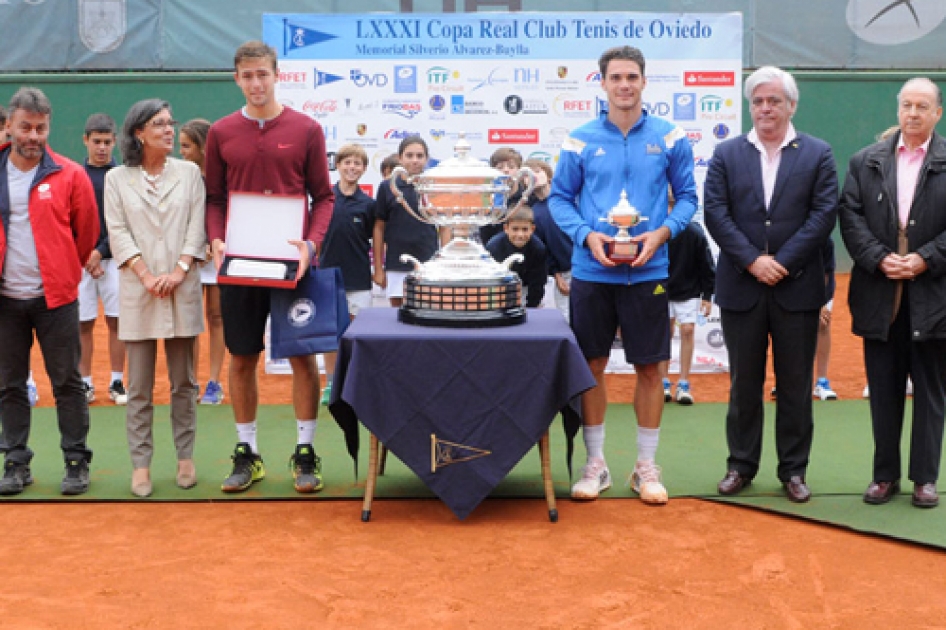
[(65, 222)]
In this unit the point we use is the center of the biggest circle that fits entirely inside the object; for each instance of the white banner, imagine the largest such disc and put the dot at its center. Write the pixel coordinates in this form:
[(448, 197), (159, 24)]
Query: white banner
[(521, 80)]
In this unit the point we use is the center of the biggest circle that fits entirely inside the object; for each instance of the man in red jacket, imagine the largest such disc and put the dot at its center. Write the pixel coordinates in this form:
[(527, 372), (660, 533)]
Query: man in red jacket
[(50, 224)]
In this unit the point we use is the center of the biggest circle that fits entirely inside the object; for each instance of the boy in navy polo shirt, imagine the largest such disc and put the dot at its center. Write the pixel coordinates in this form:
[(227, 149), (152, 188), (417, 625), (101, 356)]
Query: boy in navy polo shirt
[(518, 237), (348, 240)]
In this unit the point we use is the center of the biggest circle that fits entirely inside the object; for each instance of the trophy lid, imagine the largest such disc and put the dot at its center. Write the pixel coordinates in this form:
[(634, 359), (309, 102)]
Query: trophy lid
[(623, 207), (463, 165)]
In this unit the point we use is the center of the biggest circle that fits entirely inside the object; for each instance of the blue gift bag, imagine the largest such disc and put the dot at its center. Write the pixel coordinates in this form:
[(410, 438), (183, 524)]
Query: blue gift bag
[(310, 318)]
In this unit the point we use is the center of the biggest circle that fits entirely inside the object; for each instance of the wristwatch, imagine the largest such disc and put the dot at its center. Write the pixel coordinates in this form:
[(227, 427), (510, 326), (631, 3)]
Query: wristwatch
[(183, 265)]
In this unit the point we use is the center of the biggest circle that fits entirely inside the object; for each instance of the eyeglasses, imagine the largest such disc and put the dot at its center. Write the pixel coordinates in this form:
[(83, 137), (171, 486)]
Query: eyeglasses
[(162, 124)]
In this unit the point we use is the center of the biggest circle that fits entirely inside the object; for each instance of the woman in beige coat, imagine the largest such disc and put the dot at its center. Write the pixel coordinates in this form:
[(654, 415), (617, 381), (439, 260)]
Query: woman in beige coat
[(154, 207)]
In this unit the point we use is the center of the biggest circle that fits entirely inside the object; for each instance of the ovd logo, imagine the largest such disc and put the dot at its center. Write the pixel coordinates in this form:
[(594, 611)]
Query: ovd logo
[(301, 312), (102, 24)]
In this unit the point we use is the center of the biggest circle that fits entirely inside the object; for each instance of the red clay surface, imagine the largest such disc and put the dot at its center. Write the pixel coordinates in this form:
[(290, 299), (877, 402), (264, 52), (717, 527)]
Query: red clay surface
[(611, 564)]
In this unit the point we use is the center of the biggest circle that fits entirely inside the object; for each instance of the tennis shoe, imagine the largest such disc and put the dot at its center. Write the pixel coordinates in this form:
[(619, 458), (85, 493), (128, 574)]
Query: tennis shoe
[(595, 479), (823, 390), (116, 391), (306, 469), (76, 479), (213, 394), (15, 478), (247, 469), (684, 397), (645, 481), (668, 395)]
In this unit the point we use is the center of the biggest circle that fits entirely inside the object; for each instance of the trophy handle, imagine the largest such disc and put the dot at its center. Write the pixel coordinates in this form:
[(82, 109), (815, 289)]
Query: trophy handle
[(512, 260), (407, 258), (523, 174), (400, 172)]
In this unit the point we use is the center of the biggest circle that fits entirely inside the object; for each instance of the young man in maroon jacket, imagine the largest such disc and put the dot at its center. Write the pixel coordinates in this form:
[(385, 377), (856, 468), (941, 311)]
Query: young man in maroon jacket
[(265, 147)]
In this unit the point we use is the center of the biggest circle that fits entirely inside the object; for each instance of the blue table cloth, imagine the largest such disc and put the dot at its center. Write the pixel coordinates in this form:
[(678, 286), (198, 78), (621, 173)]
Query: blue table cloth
[(435, 396)]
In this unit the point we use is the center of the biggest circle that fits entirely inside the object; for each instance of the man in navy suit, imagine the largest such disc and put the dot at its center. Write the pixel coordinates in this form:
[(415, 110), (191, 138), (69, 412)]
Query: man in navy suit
[(770, 201)]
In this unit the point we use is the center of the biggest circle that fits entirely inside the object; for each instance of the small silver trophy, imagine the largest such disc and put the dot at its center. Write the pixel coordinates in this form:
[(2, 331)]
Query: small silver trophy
[(462, 286), (623, 216)]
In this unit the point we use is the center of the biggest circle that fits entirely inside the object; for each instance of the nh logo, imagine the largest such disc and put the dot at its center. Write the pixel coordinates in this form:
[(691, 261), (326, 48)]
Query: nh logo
[(525, 75)]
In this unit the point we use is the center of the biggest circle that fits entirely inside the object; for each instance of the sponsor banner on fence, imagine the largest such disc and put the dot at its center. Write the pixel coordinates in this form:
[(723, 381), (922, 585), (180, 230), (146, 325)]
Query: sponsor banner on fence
[(521, 80)]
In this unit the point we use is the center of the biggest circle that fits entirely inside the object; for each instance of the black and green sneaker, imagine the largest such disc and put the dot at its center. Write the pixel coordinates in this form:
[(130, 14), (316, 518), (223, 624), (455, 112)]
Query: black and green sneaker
[(306, 469), (247, 469)]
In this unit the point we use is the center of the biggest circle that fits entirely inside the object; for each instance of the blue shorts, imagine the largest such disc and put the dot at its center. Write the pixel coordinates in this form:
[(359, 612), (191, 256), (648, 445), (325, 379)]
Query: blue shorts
[(599, 309)]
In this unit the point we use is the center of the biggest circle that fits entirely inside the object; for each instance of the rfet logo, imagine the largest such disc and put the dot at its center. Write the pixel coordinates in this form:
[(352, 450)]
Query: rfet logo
[(289, 79), (715, 78), (593, 77), (513, 136), (694, 136), (567, 105)]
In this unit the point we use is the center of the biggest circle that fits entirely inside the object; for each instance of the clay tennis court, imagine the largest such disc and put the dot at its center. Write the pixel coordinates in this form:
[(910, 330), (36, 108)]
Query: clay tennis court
[(610, 564)]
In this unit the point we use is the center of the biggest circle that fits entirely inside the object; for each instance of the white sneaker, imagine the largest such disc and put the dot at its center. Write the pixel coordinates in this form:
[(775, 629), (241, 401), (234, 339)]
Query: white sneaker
[(684, 397), (909, 391), (595, 479), (823, 390), (866, 392), (668, 395), (645, 481)]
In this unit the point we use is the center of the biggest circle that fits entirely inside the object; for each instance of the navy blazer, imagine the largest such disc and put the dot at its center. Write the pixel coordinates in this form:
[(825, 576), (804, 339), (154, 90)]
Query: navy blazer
[(799, 220)]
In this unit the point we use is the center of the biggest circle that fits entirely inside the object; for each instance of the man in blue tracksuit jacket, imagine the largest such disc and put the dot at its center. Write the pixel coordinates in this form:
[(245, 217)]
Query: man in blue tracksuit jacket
[(625, 149)]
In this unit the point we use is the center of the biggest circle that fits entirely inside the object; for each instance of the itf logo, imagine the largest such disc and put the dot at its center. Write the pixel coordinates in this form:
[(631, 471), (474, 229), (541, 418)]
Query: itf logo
[(457, 104), (405, 79), (684, 106)]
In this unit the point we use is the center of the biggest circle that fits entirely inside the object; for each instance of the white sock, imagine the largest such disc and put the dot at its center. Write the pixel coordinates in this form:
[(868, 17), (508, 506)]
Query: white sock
[(246, 432), (647, 440), (87, 380), (306, 431), (594, 440), (117, 376)]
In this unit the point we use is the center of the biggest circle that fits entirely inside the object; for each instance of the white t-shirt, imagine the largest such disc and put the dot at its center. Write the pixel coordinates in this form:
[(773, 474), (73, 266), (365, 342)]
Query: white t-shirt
[(21, 279)]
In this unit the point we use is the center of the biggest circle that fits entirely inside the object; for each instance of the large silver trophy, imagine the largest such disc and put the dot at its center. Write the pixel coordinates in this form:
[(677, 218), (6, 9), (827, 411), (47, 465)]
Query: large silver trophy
[(462, 286)]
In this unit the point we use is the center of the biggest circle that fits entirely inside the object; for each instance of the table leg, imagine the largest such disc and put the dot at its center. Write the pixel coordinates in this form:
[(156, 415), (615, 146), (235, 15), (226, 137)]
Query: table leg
[(384, 459), (547, 476), (373, 448)]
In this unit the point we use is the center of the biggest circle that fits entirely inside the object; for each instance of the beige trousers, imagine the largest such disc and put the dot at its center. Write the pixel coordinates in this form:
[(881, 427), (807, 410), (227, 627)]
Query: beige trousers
[(139, 419)]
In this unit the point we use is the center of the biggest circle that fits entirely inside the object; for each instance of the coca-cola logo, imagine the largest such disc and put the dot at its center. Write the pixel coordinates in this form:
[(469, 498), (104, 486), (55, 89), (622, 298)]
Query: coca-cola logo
[(320, 108)]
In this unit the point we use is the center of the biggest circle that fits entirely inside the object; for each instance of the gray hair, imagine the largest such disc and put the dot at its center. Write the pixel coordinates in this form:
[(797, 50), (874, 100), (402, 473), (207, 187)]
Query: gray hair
[(139, 114), (928, 82), (32, 100), (770, 74)]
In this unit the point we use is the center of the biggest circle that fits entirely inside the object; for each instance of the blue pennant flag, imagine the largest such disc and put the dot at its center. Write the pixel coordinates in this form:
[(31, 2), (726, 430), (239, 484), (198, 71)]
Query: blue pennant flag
[(296, 36)]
